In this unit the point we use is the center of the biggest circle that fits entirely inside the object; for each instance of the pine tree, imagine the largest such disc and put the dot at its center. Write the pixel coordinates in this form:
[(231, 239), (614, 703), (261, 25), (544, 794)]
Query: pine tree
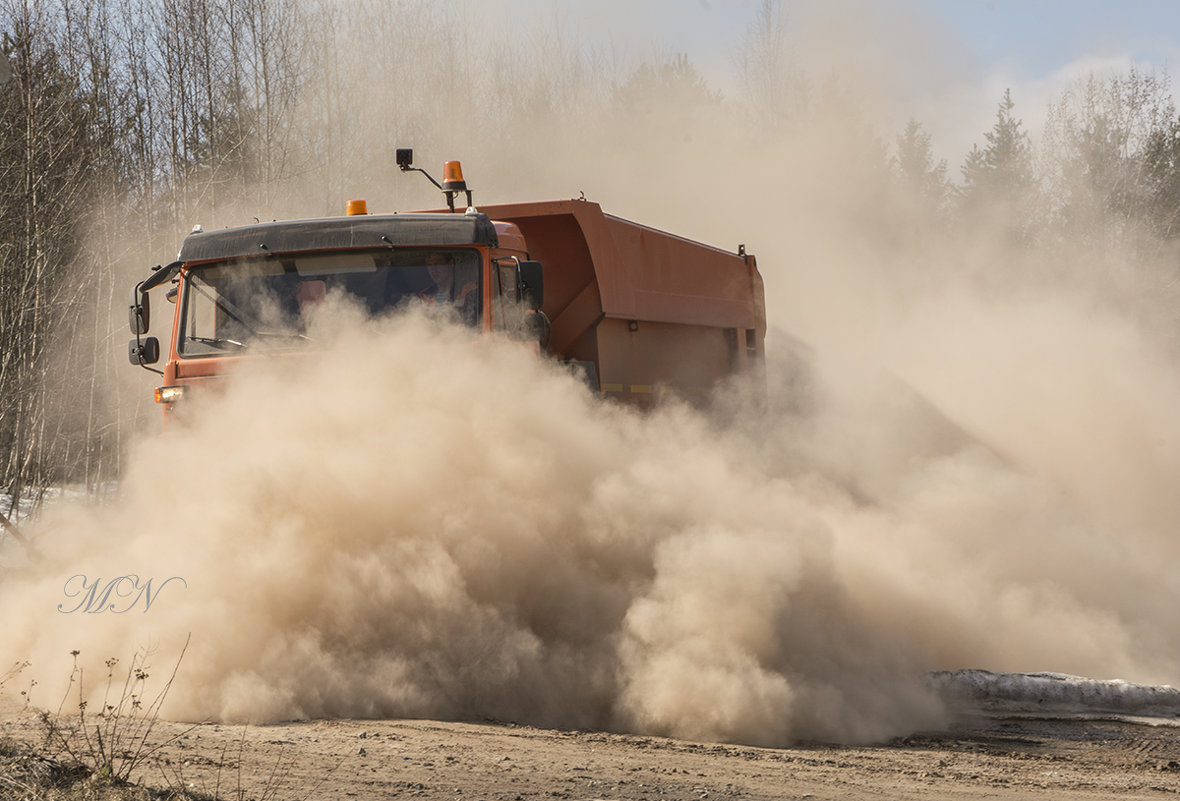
[(673, 86), (1002, 171), (914, 164)]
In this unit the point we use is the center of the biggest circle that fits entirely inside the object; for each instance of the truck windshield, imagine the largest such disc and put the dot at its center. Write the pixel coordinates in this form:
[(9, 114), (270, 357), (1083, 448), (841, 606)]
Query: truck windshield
[(231, 306)]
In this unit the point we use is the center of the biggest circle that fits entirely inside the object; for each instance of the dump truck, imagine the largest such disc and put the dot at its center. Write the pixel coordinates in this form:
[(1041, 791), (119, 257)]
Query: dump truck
[(640, 312)]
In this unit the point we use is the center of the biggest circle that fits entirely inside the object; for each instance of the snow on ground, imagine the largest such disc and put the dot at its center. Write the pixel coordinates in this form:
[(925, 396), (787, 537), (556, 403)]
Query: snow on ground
[(23, 514), (1055, 695), (22, 510), (12, 551), (32, 499)]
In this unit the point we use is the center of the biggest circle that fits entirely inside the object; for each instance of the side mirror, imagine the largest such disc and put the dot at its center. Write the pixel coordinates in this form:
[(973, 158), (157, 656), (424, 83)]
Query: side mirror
[(404, 157), (139, 313), (143, 351), (532, 284), (537, 326)]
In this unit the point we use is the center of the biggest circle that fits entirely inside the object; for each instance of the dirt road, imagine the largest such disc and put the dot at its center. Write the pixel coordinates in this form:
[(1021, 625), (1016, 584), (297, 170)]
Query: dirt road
[(347, 759)]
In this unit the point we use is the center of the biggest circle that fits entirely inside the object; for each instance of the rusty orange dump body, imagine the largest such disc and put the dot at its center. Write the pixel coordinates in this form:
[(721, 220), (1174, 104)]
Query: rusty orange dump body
[(652, 311)]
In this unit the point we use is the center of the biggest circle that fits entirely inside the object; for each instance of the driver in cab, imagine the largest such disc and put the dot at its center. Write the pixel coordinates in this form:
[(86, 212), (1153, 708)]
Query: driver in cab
[(441, 267)]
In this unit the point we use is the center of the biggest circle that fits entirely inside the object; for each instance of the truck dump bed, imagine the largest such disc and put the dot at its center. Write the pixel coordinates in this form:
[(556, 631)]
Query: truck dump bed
[(653, 311)]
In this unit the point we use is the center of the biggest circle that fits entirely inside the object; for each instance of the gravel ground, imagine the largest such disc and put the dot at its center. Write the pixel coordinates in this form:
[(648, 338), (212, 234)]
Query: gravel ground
[(372, 759)]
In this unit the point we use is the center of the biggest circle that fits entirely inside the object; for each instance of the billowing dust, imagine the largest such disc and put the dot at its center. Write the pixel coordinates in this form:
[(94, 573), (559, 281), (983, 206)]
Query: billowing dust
[(970, 463), (417, 522)]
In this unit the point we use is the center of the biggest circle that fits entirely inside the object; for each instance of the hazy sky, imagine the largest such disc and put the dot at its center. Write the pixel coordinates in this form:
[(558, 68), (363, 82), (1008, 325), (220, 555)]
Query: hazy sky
[(1032, 39), (1029, 38), (946, 62), (1037, 48)]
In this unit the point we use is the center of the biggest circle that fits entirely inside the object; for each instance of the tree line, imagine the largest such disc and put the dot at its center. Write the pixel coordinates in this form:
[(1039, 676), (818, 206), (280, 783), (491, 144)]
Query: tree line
[(126, 121), (1106, 168)]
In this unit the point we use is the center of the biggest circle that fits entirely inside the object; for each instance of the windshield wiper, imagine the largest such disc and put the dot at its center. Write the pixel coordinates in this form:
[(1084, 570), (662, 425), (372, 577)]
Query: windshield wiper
[(283, 334), (219, 342), (224, 304)]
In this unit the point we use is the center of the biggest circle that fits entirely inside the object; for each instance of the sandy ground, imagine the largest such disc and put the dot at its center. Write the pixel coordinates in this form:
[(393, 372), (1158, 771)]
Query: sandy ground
[(371, 759)]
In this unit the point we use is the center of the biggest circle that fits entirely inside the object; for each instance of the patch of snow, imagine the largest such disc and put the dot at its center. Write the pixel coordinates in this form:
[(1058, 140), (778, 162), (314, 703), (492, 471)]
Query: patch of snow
[(21, 511), (1053, 695), (32, 501)]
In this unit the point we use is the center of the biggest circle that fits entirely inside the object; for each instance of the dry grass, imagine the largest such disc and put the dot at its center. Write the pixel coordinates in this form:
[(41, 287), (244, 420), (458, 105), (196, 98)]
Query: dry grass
[(89, 755), (116, 741), (111, 753)]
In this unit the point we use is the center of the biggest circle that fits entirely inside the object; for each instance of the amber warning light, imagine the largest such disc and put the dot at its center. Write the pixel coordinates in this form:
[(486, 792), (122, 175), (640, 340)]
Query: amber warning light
[(452, 175), (357, 207)]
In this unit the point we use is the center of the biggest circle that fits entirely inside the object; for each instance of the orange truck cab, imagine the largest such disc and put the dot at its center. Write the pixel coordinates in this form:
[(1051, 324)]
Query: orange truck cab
[(641, 311)]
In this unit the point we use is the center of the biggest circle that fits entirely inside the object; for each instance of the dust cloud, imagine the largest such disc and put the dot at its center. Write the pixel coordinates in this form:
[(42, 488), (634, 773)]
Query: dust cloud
[(413, 522), (965, 461)]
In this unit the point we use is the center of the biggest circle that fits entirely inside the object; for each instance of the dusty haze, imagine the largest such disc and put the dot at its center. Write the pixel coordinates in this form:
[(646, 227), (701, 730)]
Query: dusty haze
[(967, 460)]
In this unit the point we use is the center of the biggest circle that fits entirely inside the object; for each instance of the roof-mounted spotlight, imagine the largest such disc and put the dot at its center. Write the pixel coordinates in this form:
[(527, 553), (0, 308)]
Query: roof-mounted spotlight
[(452, 175)]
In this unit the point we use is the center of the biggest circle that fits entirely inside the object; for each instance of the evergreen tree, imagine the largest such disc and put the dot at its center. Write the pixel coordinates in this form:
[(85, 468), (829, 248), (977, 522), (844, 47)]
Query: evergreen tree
[(675, 85), (1003, 170), (914, 164)]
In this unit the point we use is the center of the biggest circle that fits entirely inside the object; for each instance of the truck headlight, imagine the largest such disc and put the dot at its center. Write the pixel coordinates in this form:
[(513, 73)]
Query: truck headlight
[(169, 394)]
